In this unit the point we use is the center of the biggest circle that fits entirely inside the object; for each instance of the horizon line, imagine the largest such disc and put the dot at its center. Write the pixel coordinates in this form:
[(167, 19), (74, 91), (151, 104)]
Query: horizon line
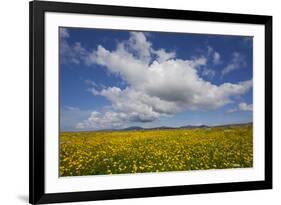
[(144, 128)]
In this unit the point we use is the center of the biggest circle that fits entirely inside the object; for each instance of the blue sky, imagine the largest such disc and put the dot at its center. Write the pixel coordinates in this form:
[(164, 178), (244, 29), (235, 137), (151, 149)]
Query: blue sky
[(116, 79)]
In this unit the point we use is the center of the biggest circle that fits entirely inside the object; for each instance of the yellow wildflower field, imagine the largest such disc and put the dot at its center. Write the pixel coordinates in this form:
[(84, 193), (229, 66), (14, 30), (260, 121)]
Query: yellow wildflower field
[(120, 152)]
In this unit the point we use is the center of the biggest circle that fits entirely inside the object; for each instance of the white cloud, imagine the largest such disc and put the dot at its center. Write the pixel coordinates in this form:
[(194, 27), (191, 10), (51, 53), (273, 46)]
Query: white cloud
[(210, 50), (198, 62), (242, 107), (237, 62), (160, 85), (232, 110), (163, 55), (70, 53), (102, 120), (140, 45), (214, 55), (209, 73), (70, 108), (216, 58)]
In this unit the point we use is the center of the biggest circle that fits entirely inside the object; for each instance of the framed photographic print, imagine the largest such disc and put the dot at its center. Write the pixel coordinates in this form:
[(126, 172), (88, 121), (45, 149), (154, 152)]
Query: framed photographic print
[(140, 102)]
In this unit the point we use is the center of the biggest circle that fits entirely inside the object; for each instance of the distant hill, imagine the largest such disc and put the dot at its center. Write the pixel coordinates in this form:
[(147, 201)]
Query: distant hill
[(165, 127), (161, 128), (235, 125), (133, 128), (171, 128), (193, 126)]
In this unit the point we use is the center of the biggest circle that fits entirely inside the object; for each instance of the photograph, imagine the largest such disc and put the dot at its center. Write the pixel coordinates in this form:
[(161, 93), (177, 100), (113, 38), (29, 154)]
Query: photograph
[(138, 102), (132, 102)]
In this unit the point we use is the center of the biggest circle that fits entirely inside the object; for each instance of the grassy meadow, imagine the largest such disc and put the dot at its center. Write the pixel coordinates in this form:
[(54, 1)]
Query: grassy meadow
[(120, 152)]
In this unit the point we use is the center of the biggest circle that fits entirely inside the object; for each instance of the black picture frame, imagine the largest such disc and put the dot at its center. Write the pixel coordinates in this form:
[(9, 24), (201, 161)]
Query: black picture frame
[(37, 11)]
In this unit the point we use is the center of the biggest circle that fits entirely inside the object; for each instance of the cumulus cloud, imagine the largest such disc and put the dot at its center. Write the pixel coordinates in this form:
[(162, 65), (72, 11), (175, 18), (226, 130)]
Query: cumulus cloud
[(102, 120), (163, 55), (158, 84), (140, 45), (242, 107), (237, 62)]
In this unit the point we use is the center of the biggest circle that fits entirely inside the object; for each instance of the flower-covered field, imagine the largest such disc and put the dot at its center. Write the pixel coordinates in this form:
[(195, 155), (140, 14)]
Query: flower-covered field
[(116, 152)]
